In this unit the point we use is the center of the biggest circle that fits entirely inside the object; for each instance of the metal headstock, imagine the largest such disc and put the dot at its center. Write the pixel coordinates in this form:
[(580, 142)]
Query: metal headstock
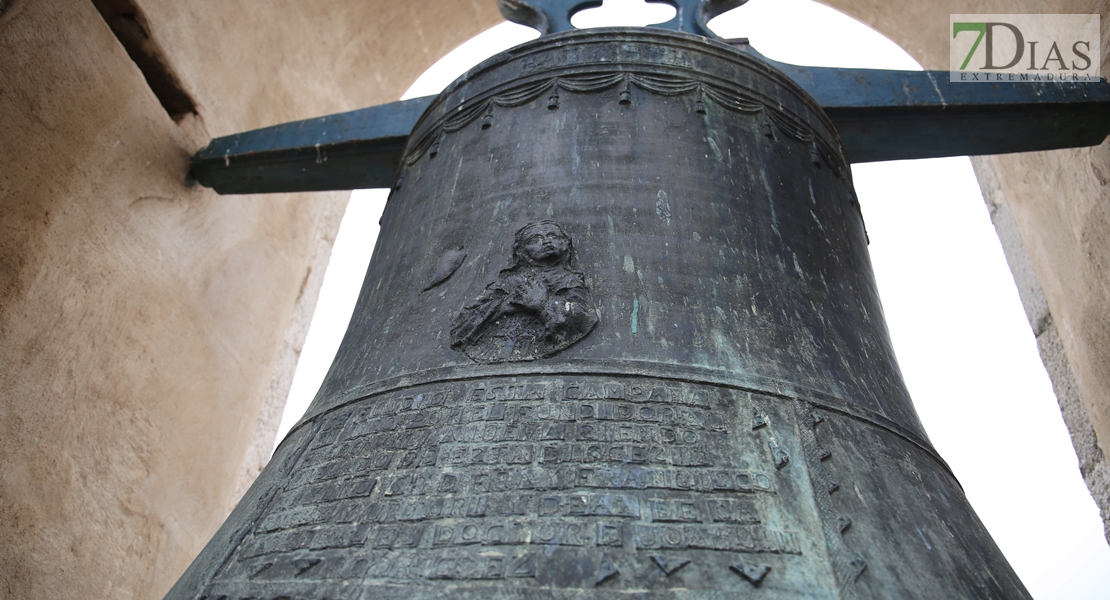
[(553, 16)]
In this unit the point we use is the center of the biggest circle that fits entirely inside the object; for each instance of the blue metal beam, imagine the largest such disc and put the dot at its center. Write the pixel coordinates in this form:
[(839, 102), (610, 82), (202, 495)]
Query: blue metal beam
[(345, 151), (894, 115), (881, 115)]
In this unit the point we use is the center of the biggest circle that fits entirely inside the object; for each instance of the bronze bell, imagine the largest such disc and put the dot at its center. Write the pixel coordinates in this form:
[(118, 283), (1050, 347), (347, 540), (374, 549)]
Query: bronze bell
[(620, 335)]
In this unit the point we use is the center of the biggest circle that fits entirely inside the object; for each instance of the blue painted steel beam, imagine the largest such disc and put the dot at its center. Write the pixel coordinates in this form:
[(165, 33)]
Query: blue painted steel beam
[(894, 115), (881, 115), (345, 151)]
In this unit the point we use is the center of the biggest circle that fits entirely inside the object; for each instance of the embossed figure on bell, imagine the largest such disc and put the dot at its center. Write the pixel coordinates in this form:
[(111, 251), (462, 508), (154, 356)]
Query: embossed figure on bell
[(535, 308)]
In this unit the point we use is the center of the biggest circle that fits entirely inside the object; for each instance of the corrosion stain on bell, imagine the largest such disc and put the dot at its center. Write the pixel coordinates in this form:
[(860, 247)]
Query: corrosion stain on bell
[(535, 308)]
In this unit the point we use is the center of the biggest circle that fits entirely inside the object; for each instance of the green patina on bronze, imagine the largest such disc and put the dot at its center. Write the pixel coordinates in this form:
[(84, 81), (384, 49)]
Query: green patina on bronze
[(620, 335)]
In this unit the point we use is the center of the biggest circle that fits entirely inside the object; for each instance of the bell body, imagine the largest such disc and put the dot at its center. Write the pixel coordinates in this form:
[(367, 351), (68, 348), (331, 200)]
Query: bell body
[(620, 335)]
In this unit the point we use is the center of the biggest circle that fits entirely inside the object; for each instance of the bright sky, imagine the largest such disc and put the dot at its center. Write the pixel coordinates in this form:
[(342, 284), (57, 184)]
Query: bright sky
[(966, 351)]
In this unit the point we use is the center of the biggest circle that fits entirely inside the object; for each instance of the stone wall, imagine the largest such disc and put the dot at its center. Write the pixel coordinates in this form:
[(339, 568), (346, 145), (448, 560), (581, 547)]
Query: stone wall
[(148, 329)]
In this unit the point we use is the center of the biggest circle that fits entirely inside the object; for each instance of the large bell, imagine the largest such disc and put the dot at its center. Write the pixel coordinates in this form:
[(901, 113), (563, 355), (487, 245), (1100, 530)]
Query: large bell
[(620, 335)]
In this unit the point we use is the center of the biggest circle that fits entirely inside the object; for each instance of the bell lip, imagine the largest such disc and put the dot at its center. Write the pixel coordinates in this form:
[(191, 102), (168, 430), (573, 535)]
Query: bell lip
[(436, 110)]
